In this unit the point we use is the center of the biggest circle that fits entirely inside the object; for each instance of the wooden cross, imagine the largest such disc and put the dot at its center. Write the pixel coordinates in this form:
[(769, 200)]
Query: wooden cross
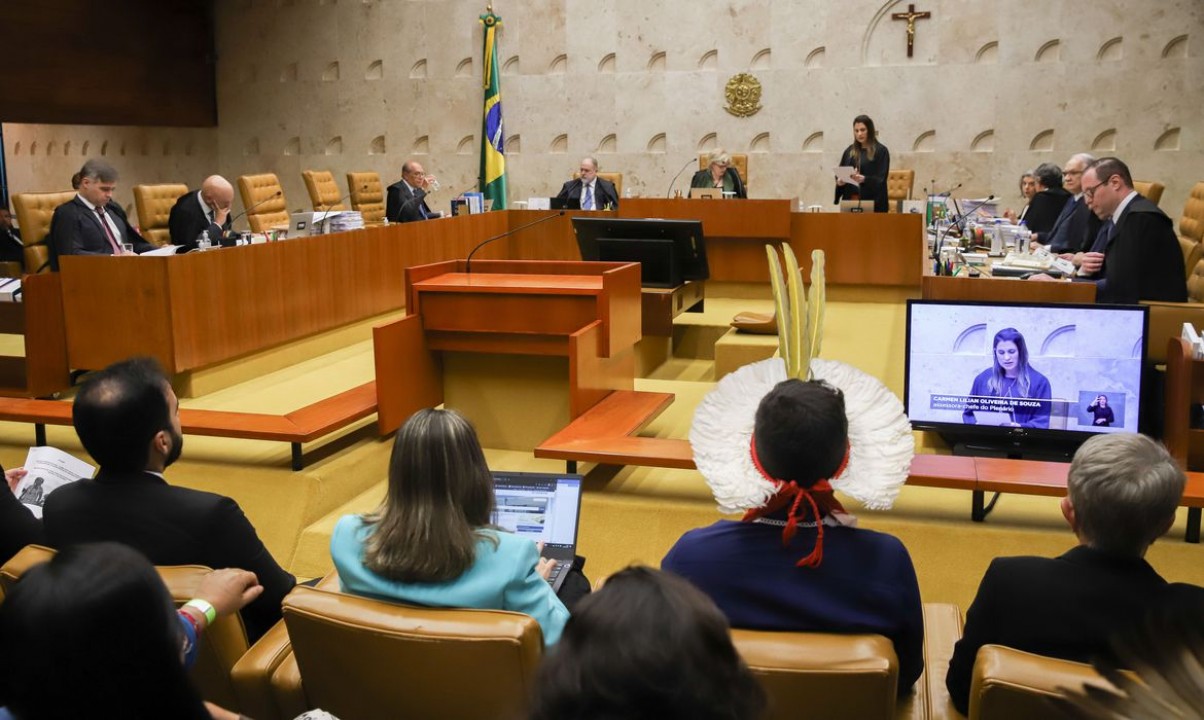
[(911, 16)]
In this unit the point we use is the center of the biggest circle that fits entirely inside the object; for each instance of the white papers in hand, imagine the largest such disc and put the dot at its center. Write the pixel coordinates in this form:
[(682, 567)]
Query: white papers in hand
[(47, 470), (846, 172), (165, 250)]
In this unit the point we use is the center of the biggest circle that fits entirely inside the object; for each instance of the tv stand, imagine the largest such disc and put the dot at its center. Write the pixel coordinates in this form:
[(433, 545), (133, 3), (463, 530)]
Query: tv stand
[(1026, 449)]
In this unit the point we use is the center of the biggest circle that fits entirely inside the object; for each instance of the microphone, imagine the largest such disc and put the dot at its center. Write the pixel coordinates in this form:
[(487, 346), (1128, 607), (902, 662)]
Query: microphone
[(524, 226), (330, 207), (273, 196), (679, 172), (958, 223)]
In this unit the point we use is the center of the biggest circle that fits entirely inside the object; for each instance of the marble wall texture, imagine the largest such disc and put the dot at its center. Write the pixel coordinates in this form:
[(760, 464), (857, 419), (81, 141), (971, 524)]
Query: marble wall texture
[(993, 89)]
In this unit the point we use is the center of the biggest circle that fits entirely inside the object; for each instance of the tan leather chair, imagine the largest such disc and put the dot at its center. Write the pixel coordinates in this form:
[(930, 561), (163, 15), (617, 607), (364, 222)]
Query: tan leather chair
[(615, 178), (222, 643), (899, 184), (265, 189), (739, 161), (1013, 684), (154, 203), (1191, 222), (367, 196), (1149, 189), (822, 675), (362, 658), (34, 212), (323, 190)]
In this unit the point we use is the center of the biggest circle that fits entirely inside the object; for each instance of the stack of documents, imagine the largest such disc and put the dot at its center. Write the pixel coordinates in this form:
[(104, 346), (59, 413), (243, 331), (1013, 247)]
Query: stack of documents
[(346, 220)]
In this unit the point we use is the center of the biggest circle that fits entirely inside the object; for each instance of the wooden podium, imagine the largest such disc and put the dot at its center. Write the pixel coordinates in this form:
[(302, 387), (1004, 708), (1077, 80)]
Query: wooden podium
[(520, 347)]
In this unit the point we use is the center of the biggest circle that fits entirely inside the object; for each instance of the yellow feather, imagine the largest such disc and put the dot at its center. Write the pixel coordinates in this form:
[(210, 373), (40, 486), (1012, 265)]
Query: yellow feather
[(799, 363), (779, 298), (816, 301)]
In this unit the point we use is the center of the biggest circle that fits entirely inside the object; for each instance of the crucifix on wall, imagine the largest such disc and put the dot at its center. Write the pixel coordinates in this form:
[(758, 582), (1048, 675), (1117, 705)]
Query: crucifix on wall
[(911, 16)]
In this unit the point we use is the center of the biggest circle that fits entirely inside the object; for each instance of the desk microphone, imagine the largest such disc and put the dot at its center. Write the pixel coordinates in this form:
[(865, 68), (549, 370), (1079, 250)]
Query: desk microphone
[(508, 233), (273, 196), (329, 208), (679, 172), (940, 242)]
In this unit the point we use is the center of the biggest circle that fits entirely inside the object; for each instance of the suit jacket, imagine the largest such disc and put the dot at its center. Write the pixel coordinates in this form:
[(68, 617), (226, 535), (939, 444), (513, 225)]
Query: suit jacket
[(1045, 208), (1064, 607), (171, 526), (76, 230), (604, 192), (1075, 231), (1143, 260), (702, 179), (865, 584), (11, 247), (188, 220), (404, 204)]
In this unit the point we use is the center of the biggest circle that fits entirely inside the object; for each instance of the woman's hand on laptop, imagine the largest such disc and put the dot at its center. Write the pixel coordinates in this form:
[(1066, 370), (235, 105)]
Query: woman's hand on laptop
[(544, 565)]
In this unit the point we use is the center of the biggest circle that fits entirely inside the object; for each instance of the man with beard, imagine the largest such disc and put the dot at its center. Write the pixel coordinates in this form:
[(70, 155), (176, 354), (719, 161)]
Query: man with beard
[(128, 419)]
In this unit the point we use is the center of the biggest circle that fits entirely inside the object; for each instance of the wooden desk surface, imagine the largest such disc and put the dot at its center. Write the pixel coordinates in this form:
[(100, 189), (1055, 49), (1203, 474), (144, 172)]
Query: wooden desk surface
[(993, 289), (510, 283)]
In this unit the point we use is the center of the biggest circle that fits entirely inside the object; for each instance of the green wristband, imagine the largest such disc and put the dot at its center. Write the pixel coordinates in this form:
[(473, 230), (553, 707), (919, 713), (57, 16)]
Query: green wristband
[(204, 607)]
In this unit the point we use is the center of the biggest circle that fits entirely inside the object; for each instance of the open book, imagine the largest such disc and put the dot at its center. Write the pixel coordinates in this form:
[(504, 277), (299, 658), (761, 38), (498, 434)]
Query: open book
[(48, 469)]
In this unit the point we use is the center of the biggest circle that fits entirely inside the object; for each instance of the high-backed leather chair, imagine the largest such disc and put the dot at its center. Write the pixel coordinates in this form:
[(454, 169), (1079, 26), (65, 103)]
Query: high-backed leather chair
[(899, 184), (613, 177), (367, 196), (1013, 684), (263, 198), (830, 676), (154, 204), (1191, 222), (34, 212), (739, 161), (323, 190), (1149, 189), (357, 657), (222, 643)]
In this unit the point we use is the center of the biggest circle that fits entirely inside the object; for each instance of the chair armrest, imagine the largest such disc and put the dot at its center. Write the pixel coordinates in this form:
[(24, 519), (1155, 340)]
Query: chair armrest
[(287, 689), (252, 674)]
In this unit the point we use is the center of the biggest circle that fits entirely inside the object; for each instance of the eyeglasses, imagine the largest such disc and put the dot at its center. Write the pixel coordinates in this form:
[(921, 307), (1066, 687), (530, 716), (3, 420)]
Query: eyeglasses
[(1071, 172), (1089, 192)]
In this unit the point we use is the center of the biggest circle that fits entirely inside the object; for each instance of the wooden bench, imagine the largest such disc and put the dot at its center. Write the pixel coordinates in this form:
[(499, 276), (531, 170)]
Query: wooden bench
[(297, 427), (605, 434)]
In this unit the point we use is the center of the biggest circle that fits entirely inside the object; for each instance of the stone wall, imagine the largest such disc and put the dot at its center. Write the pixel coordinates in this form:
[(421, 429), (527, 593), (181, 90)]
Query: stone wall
[(993, 89)]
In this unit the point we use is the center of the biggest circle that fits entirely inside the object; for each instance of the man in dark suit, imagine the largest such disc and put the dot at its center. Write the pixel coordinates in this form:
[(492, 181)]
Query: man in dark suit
[(206, 210), (1136, 254), (1076, 226), (1046, 206), (91, 224), (591, 191), (127, 418), (1123, 493), (406, 199), (11, 247)]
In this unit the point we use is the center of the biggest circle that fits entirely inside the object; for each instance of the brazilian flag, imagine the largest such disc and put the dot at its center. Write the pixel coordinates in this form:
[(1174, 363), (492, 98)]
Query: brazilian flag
[(493, 161)]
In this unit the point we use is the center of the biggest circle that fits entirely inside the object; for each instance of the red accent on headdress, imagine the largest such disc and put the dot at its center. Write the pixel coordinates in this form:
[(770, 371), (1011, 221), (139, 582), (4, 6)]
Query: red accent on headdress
[(819, 495)]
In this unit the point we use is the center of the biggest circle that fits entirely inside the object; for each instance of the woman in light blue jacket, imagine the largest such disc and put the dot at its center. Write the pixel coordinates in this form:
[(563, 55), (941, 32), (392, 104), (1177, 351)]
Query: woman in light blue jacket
[(430, 542)]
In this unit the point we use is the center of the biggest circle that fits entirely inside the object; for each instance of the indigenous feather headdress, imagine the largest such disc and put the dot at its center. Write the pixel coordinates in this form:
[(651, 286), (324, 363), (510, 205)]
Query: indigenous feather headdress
[(880, 439)]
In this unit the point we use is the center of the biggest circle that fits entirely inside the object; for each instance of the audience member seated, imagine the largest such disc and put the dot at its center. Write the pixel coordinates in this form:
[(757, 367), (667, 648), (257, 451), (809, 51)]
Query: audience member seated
[(12, 249), (91, 224), (646, 645), (1028, 188), (18, 525), (1046, 205), (1123, 492), (431, 542), (591, 191), (93, 633), (1076, 226), (720, 174), (852, 581), (405, 201), (127, 418), (206, 210)]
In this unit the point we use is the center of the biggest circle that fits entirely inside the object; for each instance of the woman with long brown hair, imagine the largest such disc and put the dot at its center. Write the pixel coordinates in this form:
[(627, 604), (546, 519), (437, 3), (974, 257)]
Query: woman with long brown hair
[(870, 161)]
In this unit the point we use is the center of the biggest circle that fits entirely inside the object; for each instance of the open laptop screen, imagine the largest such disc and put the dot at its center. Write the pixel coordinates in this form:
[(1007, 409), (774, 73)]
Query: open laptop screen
[(543, 507)]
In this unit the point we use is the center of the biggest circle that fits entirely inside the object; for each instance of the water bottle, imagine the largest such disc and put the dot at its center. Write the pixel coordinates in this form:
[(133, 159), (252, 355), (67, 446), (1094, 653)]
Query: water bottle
[(203, 244), (1024, 238), (997, 239)]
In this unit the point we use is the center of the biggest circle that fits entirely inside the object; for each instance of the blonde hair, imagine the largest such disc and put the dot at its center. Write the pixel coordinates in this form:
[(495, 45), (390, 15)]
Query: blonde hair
[(720, 156)]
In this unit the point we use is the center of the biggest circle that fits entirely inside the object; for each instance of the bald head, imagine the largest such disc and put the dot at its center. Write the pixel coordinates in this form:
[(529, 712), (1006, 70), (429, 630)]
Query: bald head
[(217, 191)]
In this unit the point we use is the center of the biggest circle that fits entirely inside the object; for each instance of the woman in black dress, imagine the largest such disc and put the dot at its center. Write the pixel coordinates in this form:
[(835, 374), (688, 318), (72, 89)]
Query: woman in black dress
[(871, 161)]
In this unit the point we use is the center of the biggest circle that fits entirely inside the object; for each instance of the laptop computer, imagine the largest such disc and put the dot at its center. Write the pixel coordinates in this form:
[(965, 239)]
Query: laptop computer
[(544, 507), (706, 193), (857, 206)]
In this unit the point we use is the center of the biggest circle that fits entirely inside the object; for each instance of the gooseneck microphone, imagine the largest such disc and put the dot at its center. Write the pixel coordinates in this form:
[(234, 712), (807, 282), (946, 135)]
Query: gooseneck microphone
[(508, 233), (273, 196), (329, 208), (957, 224), (679, 172)]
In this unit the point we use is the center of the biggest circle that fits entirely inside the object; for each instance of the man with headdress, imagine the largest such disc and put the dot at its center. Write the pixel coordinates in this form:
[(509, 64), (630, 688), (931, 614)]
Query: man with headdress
[(778, 568)]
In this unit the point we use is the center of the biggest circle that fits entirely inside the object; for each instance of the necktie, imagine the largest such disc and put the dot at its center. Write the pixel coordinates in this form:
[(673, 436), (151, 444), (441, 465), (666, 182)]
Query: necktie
[(100, 211), (1105, 234), (588, 202)]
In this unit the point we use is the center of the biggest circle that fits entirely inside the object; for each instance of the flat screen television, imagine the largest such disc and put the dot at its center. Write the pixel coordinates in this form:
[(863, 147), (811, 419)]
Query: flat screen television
[(669, 251), (1023, 380)]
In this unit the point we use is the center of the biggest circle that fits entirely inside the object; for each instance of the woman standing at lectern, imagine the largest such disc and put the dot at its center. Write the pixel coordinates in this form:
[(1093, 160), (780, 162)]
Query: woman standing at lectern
[(871, 162)]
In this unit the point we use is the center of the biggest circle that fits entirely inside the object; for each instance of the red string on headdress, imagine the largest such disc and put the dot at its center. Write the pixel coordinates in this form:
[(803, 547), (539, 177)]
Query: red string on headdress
[(819, 495)]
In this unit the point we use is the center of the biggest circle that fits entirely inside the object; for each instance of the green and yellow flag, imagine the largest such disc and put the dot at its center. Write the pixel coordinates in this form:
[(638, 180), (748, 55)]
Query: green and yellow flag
[(493, 159)]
